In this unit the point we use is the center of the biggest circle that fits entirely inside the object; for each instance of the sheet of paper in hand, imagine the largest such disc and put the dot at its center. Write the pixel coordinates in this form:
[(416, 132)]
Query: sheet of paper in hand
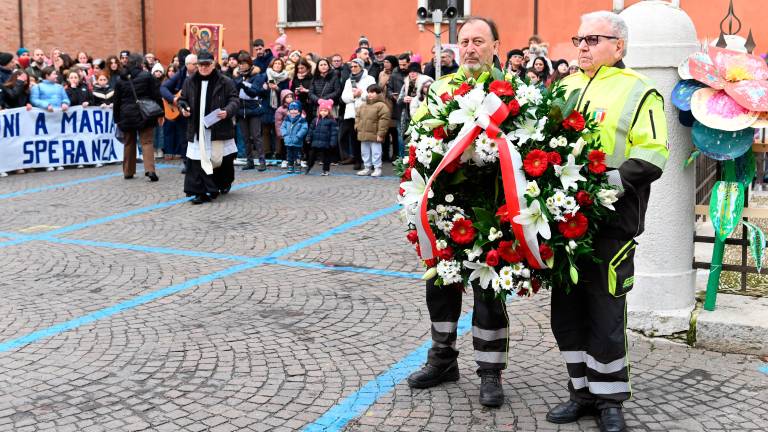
[(212, 118)]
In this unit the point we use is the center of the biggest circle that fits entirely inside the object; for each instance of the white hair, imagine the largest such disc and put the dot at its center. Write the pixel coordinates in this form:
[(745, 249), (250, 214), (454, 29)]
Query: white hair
[(190, 59), (618, 25)]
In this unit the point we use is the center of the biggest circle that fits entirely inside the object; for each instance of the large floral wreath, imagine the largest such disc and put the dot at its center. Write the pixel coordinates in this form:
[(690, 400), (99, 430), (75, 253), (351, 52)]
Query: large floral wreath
[(504, 185)]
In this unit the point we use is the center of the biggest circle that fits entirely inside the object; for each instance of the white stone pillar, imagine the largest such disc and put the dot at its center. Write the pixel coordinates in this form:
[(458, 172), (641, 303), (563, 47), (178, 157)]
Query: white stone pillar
[(661, 35)]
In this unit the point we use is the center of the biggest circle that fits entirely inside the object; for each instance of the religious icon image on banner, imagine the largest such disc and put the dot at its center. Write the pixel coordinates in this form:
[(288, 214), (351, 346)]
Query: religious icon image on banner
[(208, 37)]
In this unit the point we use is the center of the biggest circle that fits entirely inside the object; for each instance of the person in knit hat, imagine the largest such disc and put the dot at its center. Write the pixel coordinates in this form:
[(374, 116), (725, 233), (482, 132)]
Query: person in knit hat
[(23, 52), (353, 95), (158, 71), (286, 97), (293, 130), (6, 66), (323, 132)]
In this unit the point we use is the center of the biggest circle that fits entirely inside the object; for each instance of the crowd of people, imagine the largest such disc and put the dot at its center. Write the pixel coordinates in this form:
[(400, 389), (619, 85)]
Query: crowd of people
[(295, 107)]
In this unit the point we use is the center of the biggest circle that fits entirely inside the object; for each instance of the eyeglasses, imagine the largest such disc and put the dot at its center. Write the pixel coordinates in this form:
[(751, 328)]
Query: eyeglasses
[(591, 40), (205, 64)]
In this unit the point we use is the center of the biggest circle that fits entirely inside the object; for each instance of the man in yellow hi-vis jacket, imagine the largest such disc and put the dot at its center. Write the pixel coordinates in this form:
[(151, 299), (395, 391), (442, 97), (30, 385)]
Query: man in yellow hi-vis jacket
[(589, 323), (478, 44)]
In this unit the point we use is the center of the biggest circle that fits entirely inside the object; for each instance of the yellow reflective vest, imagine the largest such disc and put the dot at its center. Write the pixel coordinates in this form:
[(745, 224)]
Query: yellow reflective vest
[(630, 112)]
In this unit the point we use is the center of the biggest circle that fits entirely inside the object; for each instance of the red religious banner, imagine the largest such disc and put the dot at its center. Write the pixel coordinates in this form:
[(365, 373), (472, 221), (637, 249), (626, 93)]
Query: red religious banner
[(204, 36)]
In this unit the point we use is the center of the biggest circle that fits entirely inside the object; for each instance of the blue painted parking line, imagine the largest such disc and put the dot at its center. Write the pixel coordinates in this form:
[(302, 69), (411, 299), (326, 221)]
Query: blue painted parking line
[(135, 212), (336, 418), (333, 231), (120, 307), (764, 369), (350, 269), (147, 249), (173, 289), (70, 183)]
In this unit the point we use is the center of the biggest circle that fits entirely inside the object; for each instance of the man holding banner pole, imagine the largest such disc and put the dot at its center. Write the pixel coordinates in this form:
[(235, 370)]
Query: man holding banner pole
[(478, 45)]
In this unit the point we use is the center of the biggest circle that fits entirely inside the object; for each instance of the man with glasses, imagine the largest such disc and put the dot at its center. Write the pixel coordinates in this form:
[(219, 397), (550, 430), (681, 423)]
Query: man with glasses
[(589, 323)]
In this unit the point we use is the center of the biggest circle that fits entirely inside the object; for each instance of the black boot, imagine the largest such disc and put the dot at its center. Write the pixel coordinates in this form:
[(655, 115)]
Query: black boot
[(430, 376), (611, 420), (249, 165), (152, 176), (569, 412), (491, 392), (199, 199)]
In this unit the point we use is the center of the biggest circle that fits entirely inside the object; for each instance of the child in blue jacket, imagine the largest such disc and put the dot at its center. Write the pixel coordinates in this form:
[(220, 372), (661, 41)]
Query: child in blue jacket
[(293, 130)]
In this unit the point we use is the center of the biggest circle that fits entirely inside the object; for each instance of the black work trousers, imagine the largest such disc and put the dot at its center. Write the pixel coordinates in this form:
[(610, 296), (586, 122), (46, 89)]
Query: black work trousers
[(589, 324), (490, 326)]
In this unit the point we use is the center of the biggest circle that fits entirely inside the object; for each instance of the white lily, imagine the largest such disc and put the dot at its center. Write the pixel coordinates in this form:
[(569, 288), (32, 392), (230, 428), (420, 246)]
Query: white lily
[(607, 197), (432, 123), (569, 173), (529, 130), (469, 109), (534, 220), (437, 106), (578, 146), (482, 271), (532, 189), (414, 189)]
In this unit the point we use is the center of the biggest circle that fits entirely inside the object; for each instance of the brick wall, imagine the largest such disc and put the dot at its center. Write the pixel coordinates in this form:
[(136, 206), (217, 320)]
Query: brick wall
[(99, 28)]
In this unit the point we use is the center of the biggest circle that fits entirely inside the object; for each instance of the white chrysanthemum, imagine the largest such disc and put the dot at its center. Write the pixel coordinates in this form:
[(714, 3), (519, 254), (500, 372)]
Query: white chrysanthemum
[(449, 271), (506, 284), (559, 198), (496, 284), (570, 203), (449, 198), (445, 226), (553, 143), (440, 209), (458, 216), (474, 253), (505, 272), (441, 244), (562, 142)]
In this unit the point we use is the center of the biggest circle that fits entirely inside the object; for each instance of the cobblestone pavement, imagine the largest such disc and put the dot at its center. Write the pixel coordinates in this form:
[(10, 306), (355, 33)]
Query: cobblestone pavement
[(292, 303)]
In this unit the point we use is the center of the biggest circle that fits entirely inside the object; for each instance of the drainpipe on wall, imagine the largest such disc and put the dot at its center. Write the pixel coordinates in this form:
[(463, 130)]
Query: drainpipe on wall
[(143, 28), (536, 17), (21, 24), (250, 27)]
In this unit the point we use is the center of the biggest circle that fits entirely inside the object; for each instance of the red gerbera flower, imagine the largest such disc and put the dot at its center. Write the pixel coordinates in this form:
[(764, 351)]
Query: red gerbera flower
[(514, 107), (445, 254), (596, 161), (509, 252), (574, 226), (501, 88), (575, 121), (412, 236), (492, 258), (463, 232), (554, 158), (536, 163), (463, 89), (503, 214), (545, 251), (445, 97), (439, 133), (583, 198)]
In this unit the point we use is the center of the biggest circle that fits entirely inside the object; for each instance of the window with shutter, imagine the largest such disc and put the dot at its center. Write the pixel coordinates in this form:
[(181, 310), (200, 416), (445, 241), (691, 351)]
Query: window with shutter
[(301, 10)]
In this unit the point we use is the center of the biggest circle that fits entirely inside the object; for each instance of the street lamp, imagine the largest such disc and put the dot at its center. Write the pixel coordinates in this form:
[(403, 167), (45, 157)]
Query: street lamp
[(437, 19)]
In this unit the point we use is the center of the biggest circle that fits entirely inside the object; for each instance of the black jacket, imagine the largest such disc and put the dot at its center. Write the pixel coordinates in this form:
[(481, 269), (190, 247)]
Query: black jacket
[(15, 96), (429, 69), (79, 95), (254, 89), (395, 83), (327, 87), (306, 82), (103, 95), (222, 94), (126, 110), (323, 132)]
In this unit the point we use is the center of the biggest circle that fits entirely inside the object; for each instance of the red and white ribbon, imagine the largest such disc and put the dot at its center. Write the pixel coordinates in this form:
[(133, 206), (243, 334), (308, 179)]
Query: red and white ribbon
[(490, 115)]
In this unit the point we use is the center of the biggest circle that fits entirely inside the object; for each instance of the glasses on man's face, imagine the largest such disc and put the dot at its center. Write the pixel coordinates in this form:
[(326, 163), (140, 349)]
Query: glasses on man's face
[(591, 40), (204, 65)]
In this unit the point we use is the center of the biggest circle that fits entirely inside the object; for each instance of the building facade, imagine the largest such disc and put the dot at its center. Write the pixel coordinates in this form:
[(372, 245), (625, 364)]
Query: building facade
[(320, 26)]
